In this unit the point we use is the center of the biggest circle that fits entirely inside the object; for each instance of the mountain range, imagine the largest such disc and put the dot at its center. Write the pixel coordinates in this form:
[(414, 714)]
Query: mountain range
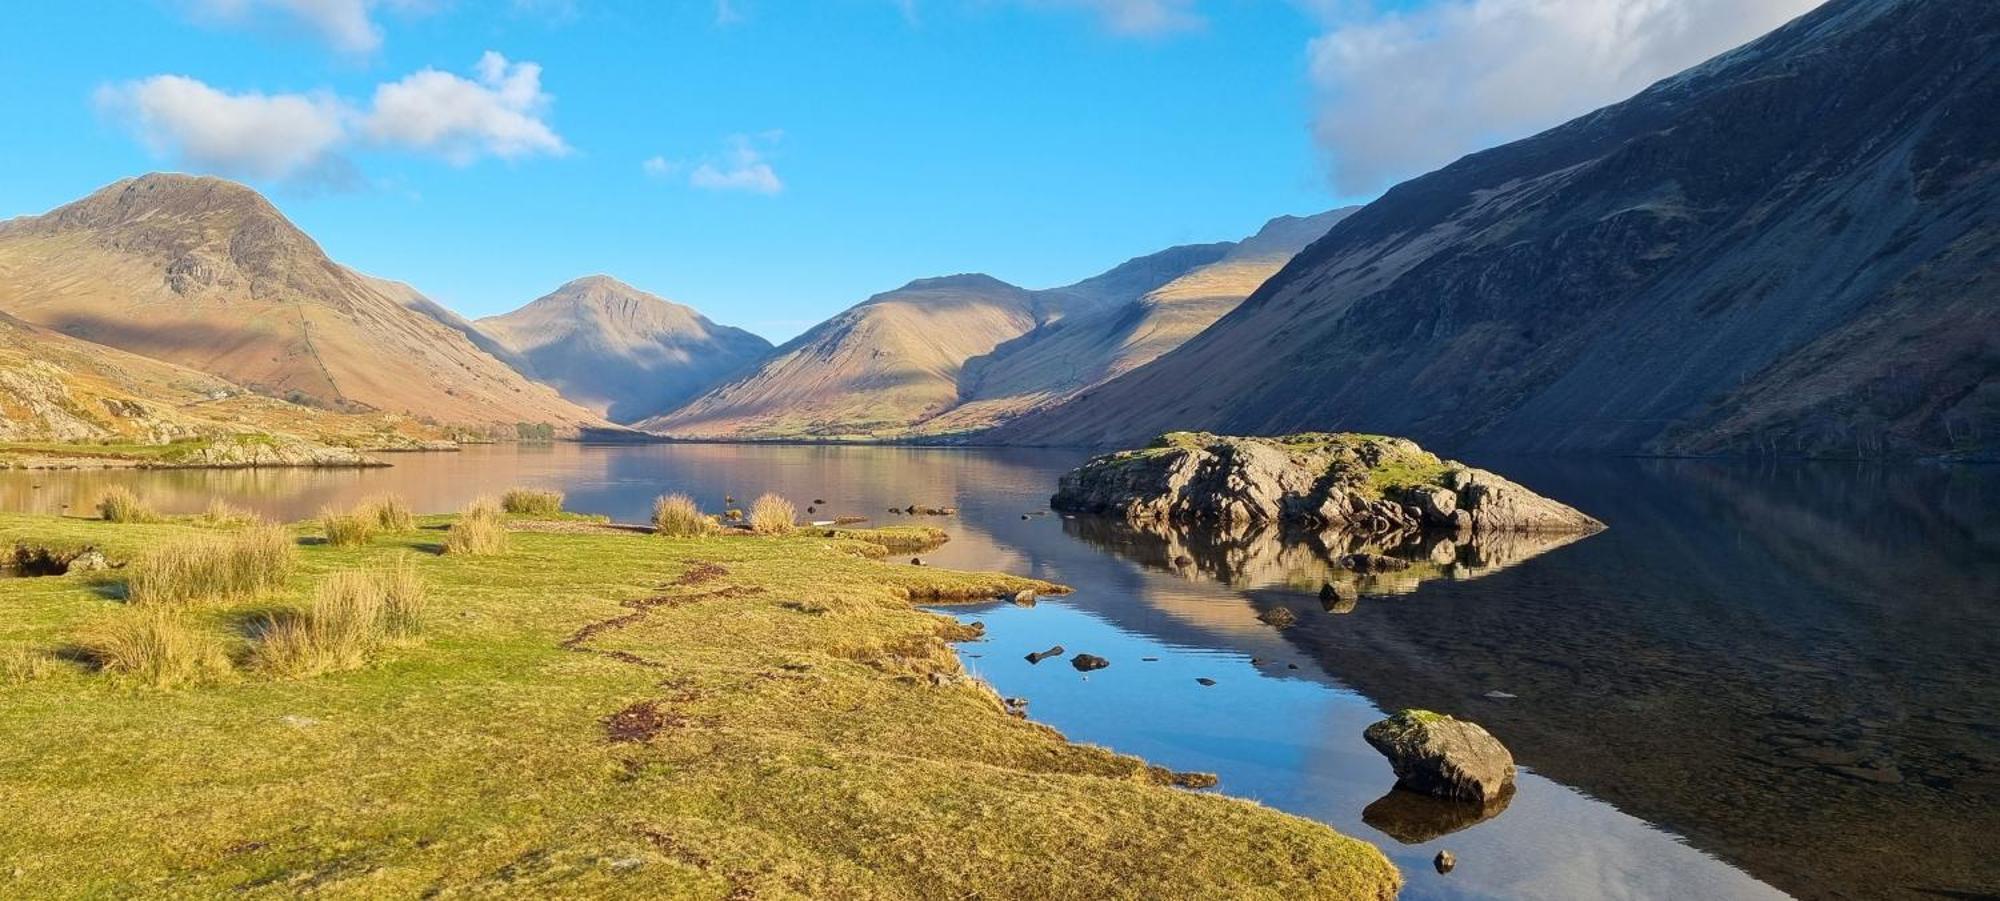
[(954, 356), (1788, 249)]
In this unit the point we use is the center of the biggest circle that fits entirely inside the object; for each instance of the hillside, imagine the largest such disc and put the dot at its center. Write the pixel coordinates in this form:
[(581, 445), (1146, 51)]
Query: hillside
[(945, 358), (875, 370), (207, 274), (620, 351), (1790, 248), (1056, 363)]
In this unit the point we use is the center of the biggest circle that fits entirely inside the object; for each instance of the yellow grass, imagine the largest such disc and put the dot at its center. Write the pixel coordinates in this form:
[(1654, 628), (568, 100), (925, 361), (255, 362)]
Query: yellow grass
[(119, 504), (156, 646), (388, 511), (404, 596), (478, 531), (678, 516), (344, 624), (206, 568), (773, 515), (351, 529)]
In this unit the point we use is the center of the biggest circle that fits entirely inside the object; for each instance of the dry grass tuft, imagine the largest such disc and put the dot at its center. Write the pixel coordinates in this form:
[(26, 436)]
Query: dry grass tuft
[(532, 502), (119, 504), (225, 515), (345, 623), (351, 529), (222, 568), (403, 598), (478, 531), (158, 647), (389, 512), (773, 515), (678, 516)]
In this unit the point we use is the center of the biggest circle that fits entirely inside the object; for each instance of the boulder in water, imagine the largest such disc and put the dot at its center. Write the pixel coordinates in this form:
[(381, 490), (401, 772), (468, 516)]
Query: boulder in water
[(1443, 756)]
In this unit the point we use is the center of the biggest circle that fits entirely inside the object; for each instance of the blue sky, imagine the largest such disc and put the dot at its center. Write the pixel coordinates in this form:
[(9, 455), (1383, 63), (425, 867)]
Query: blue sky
[(773, 161)]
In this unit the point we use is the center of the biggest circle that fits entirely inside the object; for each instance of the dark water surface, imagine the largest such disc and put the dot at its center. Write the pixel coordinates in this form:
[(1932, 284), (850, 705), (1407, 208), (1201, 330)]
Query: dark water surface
[(1762, 680)]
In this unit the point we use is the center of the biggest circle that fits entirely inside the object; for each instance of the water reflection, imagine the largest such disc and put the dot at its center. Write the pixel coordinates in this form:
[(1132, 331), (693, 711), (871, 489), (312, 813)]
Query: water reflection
[(1791, 668)]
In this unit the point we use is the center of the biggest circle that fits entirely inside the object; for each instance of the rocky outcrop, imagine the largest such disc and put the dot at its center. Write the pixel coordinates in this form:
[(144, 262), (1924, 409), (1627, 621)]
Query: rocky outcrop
[(251, 452), (1438, 755), (1360, 482)]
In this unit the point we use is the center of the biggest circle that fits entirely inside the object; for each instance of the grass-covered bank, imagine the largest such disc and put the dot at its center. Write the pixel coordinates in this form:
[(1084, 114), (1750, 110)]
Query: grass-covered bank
[(590, 712)]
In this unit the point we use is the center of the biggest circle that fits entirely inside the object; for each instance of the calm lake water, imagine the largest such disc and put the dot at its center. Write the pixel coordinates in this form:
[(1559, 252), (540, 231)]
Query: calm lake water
[(1762, 680)]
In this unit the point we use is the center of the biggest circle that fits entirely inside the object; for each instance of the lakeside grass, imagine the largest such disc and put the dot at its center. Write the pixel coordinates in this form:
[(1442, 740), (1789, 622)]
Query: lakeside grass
[(594, 713)]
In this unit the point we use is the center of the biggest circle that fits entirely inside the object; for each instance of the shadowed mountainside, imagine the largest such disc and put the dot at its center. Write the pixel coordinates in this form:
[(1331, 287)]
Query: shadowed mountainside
[(1790, 249)]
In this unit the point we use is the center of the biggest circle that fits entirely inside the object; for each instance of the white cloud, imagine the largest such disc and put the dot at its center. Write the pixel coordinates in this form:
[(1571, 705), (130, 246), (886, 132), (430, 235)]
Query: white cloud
[(1404, 93), (499, 114), (346, 25), (743, 168), (267, 136), (291, 137), (1138, 17), (659, 167)]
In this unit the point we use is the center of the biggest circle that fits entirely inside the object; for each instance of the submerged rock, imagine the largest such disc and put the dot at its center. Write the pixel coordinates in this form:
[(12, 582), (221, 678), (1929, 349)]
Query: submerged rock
[(1414, 819), (1444, 862), (1039, 656), (1278, 617), (1342, 480), (1087, 662), (1442, 756), (1338, 597)]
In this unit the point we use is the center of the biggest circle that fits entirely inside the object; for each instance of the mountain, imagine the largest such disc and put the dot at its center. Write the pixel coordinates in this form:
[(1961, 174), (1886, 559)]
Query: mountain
[(948, 357), (620, 351), (1790, 248), (875, 370), (207, 274), (1055, 363)]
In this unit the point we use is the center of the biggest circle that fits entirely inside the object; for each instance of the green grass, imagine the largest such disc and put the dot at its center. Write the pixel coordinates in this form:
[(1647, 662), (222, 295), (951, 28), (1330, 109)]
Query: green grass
[(597, 714)]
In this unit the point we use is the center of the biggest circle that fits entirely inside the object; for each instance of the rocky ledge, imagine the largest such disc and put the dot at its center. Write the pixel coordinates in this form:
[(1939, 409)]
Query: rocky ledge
[(1350, 481)]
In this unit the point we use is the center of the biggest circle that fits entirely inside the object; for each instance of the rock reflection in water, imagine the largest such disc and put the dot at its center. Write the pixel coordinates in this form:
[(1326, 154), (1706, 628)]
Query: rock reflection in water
[(1414, 819), (1262, 555)]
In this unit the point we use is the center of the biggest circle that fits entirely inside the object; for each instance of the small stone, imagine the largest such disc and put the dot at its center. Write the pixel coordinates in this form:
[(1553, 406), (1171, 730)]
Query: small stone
[(1183, 560), (298, 722), (1278, 617), (1086, 662), (1445, 861), (1291, 666), (1016, 707), (1373, 563), (1149, 659), (1498, 695), (1338, 597), (819, 501), (916, 561), (1204, 680), (1024, 598), (89, 561)]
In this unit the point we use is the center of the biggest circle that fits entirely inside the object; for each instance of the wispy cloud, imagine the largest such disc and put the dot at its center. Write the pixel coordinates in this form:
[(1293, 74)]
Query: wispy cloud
[(1403, 93), (297, 137), (345, 25), (744, 166)]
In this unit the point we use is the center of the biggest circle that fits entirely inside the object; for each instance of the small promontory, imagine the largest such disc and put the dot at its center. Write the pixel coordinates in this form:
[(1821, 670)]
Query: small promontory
[(1329, 480)]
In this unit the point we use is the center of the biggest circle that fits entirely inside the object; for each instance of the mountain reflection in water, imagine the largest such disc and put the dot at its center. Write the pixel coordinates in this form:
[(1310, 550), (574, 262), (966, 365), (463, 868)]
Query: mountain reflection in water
[(1790, 668)]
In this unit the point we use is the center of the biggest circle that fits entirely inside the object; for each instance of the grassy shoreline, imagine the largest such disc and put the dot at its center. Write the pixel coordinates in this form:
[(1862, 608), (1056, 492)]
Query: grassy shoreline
[(602, 713)]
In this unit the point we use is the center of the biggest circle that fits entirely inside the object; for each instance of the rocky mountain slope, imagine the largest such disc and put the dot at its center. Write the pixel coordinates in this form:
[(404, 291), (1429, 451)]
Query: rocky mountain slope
[(949, 357), (1062, 360), (57, 390), (207, 274), (620, 351), (1790, 248)]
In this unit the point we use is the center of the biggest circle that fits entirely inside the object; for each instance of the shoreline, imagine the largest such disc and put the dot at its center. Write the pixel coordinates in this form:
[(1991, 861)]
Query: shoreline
[(751, 713)]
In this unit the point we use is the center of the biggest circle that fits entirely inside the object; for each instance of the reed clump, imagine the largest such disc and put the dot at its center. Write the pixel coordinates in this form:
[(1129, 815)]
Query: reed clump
[(350, 529), (119, 504), (678, 516), (773, 515), (228, 568), (156, 646), (479, 531), (532, 502), (389, 512)]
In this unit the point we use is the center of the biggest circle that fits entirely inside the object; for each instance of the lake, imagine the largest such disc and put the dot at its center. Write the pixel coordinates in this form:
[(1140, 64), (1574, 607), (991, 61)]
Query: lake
[(1763, 679)]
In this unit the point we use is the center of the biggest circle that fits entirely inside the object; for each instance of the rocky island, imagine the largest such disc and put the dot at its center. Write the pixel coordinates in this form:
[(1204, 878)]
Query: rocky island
[(1326, 480)]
